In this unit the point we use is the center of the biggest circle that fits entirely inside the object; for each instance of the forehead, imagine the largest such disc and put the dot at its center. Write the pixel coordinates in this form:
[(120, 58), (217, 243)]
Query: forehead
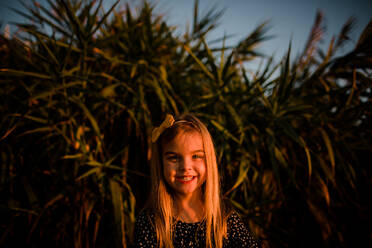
[(184, 142)]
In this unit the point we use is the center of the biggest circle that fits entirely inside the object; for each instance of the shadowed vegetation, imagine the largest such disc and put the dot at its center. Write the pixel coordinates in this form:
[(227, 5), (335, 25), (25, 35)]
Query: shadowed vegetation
[(81, 90)]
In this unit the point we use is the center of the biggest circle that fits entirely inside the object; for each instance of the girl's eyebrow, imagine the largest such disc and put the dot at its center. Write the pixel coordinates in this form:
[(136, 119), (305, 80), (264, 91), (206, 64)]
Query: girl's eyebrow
[(171, 152)]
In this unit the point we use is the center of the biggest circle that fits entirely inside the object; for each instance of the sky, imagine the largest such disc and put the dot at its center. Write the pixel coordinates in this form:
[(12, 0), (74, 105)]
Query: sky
[(289, 20)]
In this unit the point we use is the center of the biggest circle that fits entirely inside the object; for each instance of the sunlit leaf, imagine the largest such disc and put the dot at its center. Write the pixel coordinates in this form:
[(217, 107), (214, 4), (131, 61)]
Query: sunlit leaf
[(11, 72), (224, 130), (328, 144), (88, 173)]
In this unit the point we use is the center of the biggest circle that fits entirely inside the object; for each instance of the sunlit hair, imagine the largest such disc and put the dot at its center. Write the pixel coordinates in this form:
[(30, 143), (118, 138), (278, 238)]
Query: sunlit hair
[(161, 201)]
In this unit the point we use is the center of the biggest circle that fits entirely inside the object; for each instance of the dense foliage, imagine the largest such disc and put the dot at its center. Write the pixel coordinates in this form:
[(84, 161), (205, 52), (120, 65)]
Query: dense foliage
[(81, 90)]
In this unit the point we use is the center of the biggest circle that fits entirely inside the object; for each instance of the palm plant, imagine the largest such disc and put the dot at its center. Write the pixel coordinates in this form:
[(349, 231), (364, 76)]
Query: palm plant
[(82, 89)]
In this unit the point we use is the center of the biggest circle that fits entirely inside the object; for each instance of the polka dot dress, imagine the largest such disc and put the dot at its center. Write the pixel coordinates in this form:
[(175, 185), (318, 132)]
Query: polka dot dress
[(192, 234)]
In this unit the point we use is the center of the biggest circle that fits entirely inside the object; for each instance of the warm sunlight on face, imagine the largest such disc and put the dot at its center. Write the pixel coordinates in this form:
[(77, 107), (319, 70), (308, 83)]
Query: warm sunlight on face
[(184, 163)]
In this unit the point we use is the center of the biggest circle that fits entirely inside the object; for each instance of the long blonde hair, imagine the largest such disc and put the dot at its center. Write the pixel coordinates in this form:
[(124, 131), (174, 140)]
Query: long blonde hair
[(161, 201)]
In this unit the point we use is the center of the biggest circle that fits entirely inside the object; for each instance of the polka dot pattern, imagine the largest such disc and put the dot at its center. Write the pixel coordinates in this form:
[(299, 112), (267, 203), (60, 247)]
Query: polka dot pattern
[(192, 234)]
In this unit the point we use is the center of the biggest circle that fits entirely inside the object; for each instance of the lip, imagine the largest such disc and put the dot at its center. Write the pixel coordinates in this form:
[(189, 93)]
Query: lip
[(179, 179)]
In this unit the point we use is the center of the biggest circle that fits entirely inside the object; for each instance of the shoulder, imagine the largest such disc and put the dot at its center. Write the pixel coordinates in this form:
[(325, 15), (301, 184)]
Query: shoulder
[(144, 231), (145, 221), (234, 223), (234, 218), (238, 234), (145, 216)]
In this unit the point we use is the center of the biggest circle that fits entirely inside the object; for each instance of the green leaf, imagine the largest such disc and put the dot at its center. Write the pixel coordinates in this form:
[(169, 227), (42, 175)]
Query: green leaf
[(164, 77), (202, 66), (224, 130), (94, 163), (99, 24), (117, 203), (243, 170), (109, 90), (18, 73), (50, 53), (54, 91), (308, 156), (236, 118), (88, 173), (73, 156), (88, 114), (38, 130), (279, 156), (76, 24), (328, 144), (238, 206), (33, 118), (325, 191)]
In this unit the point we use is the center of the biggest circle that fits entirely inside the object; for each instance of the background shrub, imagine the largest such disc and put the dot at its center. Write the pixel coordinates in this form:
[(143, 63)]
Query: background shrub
[(82, 89)]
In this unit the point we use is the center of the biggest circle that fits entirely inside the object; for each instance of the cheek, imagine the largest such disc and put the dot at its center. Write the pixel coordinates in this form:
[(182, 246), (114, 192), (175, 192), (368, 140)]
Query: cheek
[(202, 169), (165, 166), (168, 172)]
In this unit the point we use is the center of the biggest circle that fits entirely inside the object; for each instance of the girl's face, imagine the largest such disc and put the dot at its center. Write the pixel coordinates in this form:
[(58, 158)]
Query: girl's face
[(184, 163)]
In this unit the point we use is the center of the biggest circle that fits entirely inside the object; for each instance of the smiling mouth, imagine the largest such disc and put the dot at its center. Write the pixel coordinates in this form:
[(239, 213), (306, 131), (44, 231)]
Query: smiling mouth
[(186, 179)]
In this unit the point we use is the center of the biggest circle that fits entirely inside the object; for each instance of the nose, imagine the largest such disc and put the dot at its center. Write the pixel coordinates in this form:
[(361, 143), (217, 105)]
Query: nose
[(185, 164)]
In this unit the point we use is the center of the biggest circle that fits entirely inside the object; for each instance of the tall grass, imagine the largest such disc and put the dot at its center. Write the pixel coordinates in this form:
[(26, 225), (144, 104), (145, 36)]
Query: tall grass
[(81, 90)]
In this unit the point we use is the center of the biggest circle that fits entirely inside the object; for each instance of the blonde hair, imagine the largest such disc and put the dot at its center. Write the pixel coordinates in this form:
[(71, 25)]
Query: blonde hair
[(161, 201)]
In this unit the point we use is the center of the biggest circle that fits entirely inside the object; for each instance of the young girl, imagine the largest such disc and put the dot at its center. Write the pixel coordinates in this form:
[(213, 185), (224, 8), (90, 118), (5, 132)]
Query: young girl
[(185, 207)]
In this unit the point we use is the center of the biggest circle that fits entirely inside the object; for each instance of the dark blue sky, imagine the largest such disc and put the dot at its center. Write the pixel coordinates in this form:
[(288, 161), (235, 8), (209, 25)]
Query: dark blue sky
[(289, 19)]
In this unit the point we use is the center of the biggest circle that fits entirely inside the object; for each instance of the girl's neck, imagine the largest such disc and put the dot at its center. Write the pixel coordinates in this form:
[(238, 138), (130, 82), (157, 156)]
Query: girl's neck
[(189, 209)]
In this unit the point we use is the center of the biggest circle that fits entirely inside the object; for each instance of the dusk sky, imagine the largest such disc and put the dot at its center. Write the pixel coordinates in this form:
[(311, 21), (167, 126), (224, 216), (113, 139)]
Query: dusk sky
[(290, 20)]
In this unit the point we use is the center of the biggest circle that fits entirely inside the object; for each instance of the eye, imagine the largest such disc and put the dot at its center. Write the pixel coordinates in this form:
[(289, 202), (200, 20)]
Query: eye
[(172, 158), (198, 156)]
